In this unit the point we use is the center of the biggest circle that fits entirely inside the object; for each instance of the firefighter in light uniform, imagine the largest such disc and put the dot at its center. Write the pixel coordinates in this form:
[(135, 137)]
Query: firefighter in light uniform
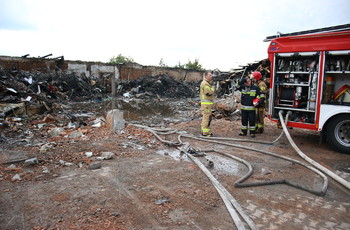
[(249, 93), (260, 109), (207, 93)]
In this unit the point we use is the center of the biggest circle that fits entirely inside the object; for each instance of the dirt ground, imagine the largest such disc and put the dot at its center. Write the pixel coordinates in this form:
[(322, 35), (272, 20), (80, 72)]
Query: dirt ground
[(150, 185)]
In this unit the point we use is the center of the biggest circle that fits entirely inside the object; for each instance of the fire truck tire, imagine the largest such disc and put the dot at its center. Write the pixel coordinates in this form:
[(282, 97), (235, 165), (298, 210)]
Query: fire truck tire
[(338, 133)]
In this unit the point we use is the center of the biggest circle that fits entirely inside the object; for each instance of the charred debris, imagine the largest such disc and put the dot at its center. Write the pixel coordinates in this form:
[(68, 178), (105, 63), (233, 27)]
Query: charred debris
[(27, 93)]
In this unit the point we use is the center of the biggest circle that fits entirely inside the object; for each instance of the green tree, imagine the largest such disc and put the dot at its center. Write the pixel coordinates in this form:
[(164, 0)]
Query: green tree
[(179, 65), (120, 59), (162, 63), (193, 65)]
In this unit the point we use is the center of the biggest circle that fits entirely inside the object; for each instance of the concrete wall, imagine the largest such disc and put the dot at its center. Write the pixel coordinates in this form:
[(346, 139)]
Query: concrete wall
[(133, 71), (129, 71)]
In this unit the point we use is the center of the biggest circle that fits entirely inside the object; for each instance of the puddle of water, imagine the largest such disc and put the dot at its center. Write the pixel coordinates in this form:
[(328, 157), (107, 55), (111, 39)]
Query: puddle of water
[(226, 165), (139, 110), (222, 164), (175, 154), (148, 111)]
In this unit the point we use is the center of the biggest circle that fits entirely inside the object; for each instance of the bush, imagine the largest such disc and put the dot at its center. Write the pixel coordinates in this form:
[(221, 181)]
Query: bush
[(194, 65), (120, 59)]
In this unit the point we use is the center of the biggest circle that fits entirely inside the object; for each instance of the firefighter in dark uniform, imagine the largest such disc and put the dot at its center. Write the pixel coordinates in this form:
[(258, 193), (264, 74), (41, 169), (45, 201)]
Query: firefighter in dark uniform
[(260, 109), (250, 98), (207, 94)]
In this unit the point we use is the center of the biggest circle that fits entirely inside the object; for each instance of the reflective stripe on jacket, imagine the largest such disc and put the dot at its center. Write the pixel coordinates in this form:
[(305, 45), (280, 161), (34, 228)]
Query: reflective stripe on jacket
[(262, 86)]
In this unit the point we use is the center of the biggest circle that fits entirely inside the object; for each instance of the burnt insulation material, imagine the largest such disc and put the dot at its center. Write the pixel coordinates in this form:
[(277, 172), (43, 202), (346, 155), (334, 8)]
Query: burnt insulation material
[(161, 85), (15, 86)]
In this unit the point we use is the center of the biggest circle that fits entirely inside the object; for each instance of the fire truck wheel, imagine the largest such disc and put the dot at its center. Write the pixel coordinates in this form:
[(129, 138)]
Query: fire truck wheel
[(338, 133)]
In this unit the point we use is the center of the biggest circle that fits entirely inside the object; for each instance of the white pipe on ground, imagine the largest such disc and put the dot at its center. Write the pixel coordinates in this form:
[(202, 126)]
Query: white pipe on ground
[(308, 159)]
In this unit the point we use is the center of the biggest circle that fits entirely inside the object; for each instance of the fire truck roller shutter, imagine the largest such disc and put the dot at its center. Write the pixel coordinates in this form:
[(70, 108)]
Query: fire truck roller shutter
[(287, 94), (286, 97)]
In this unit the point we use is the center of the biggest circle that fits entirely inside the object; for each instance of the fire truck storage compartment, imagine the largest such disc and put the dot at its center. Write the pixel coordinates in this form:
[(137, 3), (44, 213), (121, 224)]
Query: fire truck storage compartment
[(295, 85), (336, 88)]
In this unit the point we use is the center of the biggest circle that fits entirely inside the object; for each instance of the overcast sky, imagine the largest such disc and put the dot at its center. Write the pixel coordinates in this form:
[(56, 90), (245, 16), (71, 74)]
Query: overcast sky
[(220, 34)]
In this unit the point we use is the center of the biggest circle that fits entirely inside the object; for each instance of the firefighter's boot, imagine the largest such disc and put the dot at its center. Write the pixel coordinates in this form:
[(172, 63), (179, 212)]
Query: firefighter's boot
[(252, 132), (242, 133), (208, 135)]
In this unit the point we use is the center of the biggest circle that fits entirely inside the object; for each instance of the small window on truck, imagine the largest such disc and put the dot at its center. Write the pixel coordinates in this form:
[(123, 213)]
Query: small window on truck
[(296, 54), (339, 52)]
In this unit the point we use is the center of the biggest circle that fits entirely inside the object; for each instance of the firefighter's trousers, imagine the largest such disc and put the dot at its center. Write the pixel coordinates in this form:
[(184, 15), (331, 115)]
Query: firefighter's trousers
[(206, 118), (260, 115), (248, 117)]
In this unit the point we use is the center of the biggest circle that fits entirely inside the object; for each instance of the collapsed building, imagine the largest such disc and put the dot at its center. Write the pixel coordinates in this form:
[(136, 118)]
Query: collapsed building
[(35, 85)]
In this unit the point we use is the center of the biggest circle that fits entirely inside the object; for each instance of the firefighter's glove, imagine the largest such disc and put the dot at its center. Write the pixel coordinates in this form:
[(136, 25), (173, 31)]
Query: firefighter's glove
[(256, 102)]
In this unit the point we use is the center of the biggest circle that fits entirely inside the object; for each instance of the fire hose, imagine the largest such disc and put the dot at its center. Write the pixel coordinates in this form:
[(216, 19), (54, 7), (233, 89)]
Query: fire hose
[(224, 194), (239, 183), (314, 163), (230, 202), (301, 154), (228, 199), (282, 181)]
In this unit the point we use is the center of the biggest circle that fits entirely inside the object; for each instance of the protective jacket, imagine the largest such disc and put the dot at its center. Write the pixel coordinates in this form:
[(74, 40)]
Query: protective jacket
[(262, 86), (263, 89), (248, 95), (207, 93), (260, 109)]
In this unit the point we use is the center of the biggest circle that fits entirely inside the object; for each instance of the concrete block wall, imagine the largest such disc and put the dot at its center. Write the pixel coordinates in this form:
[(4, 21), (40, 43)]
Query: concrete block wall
[(133, 71), (130, 71)]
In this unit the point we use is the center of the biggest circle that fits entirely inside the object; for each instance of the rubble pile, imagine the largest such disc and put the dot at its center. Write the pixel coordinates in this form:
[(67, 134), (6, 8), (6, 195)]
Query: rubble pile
[(44, 151), (35, 117), (227, 80), (25, 94), (29, 93), (18, 85), (161, 85), (227, 106)]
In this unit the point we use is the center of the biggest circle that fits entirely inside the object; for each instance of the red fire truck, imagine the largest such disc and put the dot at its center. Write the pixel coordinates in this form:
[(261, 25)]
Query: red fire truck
[(310, 80)]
